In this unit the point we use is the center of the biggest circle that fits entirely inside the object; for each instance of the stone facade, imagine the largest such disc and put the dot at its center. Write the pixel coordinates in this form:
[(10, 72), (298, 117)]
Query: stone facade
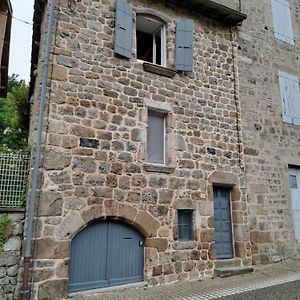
[(10, 257), (270, 145), (223, 128)]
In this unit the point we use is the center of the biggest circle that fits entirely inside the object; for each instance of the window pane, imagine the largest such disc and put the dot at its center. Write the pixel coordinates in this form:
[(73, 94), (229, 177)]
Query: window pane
[(156, 139), (144, 46), (293, 181), (185, 225)]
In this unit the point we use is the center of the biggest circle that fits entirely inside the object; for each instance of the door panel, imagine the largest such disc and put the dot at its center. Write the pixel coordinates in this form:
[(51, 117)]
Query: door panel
[(223, 226), (106, 254), (88, 247), (295, 196)]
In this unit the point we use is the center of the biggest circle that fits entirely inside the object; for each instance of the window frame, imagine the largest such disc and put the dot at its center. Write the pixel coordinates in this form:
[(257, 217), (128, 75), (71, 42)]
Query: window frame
[(190, 213), (162, 30), (164, 116)]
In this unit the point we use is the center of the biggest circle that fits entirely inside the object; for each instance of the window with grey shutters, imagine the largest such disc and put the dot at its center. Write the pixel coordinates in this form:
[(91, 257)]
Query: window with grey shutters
[(184, 45), (156, 138), (185, 225), (282, 20), (151, 40), (290, 98), (123, 31)]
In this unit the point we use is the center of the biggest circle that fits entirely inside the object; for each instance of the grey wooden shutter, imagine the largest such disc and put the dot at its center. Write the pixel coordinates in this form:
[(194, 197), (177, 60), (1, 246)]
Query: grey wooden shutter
[(282, 20), (123, 33), (184, 45), (290, 98)]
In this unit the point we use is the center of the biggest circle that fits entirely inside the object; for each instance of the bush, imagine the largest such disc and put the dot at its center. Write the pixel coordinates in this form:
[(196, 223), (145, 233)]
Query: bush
[(4, 229)]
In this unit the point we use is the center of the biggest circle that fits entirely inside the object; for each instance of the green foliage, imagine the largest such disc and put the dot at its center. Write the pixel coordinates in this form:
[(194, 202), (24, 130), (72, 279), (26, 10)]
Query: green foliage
[(14, 115), (4, 229)]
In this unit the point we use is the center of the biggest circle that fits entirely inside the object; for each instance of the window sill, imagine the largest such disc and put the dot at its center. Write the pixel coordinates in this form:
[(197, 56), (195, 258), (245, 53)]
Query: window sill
[(159, 168), (182, 245), (157, 69)]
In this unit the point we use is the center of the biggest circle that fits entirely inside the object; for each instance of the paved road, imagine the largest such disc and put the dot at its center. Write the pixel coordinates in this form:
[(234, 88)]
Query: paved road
[(285, 291)]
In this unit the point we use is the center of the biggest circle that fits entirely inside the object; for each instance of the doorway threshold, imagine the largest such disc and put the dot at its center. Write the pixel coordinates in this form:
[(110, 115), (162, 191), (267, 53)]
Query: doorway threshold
[(108, 289)]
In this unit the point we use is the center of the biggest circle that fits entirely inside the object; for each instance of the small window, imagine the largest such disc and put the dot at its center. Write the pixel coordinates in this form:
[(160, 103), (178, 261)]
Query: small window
[(185, 225), (293, 181), (151, 41), (156, 138)]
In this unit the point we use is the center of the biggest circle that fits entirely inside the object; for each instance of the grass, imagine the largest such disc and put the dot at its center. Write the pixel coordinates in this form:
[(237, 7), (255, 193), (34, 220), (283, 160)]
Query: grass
[(4, 229)]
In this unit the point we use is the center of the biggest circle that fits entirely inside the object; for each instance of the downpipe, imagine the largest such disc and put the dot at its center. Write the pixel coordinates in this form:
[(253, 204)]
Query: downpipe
[(26, 290)]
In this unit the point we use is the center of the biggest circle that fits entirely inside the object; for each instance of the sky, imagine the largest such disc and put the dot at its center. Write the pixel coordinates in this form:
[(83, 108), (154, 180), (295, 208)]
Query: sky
[(20, 42)]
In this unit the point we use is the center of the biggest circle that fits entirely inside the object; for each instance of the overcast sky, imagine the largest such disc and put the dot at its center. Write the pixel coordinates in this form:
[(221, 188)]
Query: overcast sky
[(20, 43)]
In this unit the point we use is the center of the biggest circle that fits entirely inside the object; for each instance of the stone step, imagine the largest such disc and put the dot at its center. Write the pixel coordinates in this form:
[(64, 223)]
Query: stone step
[(232, 271)]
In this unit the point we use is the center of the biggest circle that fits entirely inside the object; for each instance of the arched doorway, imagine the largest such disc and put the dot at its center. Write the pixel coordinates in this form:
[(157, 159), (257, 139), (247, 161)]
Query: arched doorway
[(105, 254)]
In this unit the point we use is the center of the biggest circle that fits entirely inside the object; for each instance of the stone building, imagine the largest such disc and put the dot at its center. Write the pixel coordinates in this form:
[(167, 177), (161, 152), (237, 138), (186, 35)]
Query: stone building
[(268, 58), (156, 162)]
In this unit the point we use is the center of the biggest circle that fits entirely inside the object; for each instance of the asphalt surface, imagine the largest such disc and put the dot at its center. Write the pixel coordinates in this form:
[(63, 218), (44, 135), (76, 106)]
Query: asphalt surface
[(285, 291)]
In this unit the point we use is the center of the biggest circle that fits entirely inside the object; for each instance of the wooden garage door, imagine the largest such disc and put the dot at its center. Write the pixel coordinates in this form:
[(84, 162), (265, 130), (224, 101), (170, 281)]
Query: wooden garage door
[(106, 254)]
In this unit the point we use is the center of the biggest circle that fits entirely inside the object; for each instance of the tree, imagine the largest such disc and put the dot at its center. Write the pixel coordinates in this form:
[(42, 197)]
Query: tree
[(14, 115)]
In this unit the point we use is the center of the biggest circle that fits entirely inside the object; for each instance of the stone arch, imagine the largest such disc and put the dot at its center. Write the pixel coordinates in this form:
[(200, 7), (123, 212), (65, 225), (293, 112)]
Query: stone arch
[(145, 223), (154, 14)]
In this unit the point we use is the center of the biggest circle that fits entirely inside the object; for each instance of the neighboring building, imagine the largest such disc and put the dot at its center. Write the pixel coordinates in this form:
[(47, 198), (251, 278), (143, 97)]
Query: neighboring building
[(269, 72), (5, 29), (160, 162)]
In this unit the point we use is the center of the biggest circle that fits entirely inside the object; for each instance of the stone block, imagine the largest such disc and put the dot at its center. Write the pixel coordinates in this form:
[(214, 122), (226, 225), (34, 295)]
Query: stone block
[(84, 164), (111, 208), (53, 289), (148, 224), (127, 212), (207, 235), (92, 213), (260, 237), (51, 204), (70, 225), (48, 248), (160, 244), (12, 244), (56, 159), (206, 208)]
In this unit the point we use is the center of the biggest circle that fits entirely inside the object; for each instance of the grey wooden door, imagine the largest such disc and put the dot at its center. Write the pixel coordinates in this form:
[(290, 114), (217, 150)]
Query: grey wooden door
[(294, 174), (222, 221), (106, 254)]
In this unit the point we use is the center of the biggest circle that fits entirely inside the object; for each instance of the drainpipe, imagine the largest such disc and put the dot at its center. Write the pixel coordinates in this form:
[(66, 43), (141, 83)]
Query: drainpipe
[(37, 155)]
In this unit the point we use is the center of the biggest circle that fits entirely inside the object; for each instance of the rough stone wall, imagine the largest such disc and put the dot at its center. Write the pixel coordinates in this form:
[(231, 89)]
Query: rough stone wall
[(269, 144), (100, 99), (10, 257)]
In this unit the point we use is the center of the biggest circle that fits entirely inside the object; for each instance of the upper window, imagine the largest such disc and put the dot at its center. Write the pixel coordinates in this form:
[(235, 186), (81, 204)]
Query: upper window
[(150, 39), (282, 20), (156, 138), (290, 98)]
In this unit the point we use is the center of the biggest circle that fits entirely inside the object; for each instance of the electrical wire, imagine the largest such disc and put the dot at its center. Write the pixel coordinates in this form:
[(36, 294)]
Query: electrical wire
[(20, 20)]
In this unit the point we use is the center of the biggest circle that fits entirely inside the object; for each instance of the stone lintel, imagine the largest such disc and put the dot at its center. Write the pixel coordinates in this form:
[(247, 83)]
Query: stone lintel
[(224, 179)]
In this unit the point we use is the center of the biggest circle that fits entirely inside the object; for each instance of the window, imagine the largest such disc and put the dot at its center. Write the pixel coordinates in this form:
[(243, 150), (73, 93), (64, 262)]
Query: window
[(283, 28), (156, 138), (150, 39), (185, 225), (290, 98)]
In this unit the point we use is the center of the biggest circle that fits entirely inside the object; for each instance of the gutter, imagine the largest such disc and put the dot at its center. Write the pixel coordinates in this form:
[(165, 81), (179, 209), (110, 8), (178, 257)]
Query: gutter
[(37, 155)]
